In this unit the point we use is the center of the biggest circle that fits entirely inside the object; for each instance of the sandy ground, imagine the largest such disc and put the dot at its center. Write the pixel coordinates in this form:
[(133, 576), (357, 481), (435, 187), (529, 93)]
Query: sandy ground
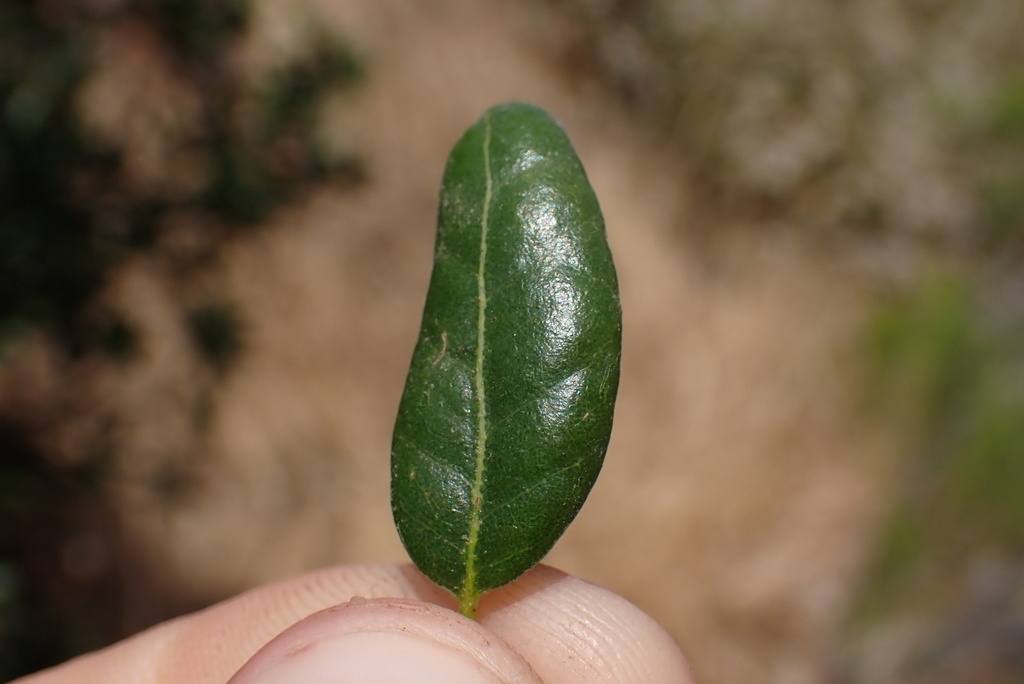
[(742, 486)]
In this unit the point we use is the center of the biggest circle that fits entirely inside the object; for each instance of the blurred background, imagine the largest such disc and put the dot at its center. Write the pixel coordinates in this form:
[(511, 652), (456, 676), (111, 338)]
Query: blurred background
[(216, 226)]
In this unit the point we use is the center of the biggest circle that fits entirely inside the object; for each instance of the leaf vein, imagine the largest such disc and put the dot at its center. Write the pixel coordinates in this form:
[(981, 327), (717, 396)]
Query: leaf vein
[(533, 399), (508, 557), (527, 490), (443, 465), (441, 537), (469, 595)]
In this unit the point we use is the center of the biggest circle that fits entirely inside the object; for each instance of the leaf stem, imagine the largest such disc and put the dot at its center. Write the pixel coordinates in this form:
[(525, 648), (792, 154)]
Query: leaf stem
[(468, 605)]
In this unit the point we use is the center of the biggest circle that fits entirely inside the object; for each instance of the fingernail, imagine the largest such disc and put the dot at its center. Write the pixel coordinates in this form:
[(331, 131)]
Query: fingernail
[(379, 657), (386, 641)]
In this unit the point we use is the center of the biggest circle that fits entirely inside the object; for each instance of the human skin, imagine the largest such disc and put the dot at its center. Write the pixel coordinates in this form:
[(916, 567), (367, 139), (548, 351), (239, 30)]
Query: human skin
[(387, 623)]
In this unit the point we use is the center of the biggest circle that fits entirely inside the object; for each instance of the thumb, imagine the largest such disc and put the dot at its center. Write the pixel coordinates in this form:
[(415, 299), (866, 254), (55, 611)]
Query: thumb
[(386, 641)]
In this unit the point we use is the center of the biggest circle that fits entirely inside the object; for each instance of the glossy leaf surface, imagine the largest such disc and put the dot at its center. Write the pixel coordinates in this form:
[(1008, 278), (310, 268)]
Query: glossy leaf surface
[(507, 408)]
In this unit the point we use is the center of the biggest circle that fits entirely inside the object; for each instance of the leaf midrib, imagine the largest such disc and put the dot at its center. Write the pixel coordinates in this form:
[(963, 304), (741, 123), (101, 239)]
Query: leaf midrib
[(468, 597)]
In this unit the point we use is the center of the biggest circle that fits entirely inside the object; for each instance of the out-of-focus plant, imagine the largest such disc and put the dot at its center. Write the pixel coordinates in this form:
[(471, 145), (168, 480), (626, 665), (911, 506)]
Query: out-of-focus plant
[(1001, 174), (216, 332), (872, 123), (55, 237), (956, 384), (47, 261), (964, 388), (71, 212)]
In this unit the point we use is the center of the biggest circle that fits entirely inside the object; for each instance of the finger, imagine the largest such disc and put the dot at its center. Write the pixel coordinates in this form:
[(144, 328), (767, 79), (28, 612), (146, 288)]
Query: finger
[(211, 645), (569, 630), (573, 632)]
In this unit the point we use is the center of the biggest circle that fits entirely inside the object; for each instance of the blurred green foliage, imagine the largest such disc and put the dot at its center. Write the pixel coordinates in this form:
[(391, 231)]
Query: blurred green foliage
[(39, 504), (260, 167), (1008, 120), (888, 121), (958, 387), (56, 244), (216, 331), (1000, 184), (197, 28), (47, 261), (68, 218)]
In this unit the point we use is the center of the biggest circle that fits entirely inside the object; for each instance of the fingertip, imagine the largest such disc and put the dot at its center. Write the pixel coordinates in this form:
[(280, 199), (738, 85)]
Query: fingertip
[(573, 632)]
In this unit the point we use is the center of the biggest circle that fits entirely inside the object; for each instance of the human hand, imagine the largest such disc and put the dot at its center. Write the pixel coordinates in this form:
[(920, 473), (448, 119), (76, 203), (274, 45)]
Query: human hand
[(388, 623)]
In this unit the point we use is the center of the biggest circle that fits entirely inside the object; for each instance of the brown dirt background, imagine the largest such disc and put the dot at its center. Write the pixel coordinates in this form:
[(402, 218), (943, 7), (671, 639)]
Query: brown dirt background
[(743, 484)]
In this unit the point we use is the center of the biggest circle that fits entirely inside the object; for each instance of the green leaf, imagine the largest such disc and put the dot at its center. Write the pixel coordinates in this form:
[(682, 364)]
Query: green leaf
[(507, 408)]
